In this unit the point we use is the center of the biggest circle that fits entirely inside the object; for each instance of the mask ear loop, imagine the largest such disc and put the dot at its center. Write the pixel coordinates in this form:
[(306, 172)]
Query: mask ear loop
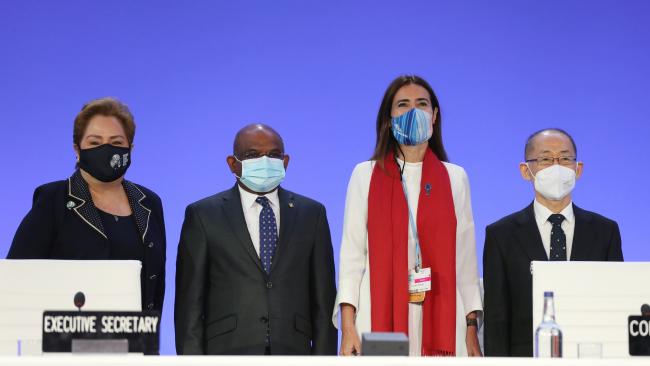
[(530, 171), (240, 162)]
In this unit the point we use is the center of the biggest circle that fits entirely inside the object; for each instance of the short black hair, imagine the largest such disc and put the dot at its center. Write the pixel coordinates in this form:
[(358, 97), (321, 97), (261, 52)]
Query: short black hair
[(529, 141)]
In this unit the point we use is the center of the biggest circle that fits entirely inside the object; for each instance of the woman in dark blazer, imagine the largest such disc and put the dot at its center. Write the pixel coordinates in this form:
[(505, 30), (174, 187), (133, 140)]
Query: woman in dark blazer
[(96, 213)]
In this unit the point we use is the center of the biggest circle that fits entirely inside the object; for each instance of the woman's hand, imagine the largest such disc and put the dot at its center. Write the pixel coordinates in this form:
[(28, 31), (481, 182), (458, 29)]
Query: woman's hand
[(350, 343)]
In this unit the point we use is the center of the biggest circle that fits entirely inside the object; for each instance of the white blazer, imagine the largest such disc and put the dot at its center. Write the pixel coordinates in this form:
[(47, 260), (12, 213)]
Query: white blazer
[(354, 276)]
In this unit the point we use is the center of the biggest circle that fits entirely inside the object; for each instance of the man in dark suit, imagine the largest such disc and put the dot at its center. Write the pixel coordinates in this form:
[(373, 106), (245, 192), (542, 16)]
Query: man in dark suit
[(255, 268), (550, 228)]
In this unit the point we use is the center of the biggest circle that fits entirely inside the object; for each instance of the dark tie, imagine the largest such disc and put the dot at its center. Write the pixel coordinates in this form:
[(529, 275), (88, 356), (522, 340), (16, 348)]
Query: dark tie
[(558, 239), (268, 233)]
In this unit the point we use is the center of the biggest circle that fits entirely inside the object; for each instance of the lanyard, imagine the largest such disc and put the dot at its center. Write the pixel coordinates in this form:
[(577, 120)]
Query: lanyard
[(413, 226)]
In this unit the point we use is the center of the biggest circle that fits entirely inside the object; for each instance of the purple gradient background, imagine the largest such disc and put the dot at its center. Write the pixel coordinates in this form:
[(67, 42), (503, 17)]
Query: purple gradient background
[(194, 72)]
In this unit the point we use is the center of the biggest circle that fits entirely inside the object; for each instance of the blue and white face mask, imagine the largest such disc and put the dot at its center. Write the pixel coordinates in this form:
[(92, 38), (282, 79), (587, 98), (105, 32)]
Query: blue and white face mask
[(413, 127), (261, 174)]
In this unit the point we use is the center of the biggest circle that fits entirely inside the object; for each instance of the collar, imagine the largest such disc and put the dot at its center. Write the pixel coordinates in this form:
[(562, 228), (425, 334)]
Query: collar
[(406, 164), (81, 203), (542, 213), (248, 199)]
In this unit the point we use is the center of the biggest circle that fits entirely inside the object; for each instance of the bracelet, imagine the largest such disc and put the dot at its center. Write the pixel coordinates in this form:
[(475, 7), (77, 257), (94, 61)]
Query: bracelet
[(471, 322)]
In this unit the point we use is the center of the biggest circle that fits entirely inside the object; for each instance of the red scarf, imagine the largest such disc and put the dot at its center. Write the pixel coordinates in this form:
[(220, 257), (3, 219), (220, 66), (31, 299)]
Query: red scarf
[(388, 226)]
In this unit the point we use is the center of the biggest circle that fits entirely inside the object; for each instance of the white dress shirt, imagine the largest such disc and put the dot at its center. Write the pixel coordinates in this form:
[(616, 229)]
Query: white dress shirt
[(568, 225), (354, 268), (252, 211)]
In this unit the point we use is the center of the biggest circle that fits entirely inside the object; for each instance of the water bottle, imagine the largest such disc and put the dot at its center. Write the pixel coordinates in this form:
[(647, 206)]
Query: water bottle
[(548, 336)]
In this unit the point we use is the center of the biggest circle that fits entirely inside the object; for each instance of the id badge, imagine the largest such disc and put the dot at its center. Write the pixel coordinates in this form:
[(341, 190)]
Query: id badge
[(420, 281)]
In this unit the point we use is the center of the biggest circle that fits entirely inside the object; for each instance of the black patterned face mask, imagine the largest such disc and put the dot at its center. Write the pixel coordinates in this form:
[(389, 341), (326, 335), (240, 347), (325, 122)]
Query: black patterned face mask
[(105, 162)]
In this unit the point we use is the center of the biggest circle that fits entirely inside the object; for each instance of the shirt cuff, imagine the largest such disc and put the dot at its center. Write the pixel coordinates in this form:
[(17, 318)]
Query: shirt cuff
[(471, 296), (348, 293)]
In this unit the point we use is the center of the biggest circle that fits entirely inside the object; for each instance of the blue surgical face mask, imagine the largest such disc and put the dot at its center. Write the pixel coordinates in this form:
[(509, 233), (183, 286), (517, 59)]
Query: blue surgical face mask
[(261, 174), (413, 127)]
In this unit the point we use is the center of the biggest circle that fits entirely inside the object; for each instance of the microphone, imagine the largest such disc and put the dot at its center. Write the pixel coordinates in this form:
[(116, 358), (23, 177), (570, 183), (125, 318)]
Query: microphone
[(645, 310), (79, 300)]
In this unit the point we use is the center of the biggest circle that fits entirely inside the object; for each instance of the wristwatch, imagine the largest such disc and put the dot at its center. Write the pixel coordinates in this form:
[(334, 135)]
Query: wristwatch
[(471, 322)]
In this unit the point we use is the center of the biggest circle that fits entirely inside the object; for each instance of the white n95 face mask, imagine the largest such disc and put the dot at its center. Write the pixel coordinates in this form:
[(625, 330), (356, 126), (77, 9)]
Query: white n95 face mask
[(554, 182)]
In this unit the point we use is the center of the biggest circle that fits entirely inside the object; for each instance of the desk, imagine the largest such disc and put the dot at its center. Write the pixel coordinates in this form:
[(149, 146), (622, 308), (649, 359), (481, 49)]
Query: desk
[(136, 360)]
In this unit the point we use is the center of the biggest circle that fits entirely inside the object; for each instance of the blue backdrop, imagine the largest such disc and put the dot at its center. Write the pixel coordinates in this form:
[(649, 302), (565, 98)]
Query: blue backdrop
[(194, 72)]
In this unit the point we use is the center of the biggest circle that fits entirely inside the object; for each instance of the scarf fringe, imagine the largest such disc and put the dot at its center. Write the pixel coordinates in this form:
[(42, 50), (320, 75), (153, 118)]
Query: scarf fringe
[(438, 353)]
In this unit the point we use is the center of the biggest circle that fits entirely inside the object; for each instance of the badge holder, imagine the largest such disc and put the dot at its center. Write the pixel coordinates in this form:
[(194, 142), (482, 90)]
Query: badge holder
[(419, 284)]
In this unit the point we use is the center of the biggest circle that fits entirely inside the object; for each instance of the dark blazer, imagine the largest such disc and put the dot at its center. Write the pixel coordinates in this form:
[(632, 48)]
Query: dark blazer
[(65, 224), (510, 245), (226, 303)]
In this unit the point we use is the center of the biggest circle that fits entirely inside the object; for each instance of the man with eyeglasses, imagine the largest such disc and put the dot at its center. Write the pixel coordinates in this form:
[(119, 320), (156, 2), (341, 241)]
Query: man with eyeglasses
[(255, 268), (550, 228)]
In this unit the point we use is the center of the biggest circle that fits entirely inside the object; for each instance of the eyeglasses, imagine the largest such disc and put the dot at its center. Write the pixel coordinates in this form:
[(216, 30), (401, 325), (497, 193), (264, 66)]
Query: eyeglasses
[(549, 160), (255, 155)]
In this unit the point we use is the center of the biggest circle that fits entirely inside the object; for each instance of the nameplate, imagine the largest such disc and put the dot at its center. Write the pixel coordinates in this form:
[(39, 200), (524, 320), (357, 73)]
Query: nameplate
[(638, 328), (140, 328)]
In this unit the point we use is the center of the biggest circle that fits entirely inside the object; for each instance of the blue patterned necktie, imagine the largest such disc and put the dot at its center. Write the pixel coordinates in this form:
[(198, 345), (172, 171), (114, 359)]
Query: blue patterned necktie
[(268, 233), (558, 239)]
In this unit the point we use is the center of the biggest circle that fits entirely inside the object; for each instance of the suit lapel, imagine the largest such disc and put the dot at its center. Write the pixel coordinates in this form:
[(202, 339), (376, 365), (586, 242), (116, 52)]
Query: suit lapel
[(235, 215), (288, 211), (141, 212), (582, 235), (80, 201), (528, 235)]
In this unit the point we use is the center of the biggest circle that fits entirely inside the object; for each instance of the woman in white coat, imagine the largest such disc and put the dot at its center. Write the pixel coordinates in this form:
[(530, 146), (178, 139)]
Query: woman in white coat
[(408, 255)]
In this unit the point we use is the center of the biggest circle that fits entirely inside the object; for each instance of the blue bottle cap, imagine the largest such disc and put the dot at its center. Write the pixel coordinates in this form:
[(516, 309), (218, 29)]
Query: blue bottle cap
[(548, 293)]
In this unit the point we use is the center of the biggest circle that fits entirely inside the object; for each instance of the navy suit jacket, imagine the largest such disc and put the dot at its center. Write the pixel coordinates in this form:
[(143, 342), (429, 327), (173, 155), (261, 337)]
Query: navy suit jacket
[(510, 245), (63, 223)]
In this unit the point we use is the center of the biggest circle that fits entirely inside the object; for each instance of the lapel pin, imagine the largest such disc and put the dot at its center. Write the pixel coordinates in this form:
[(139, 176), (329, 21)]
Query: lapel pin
[(70, 205), (427, 188), (291, 204)]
